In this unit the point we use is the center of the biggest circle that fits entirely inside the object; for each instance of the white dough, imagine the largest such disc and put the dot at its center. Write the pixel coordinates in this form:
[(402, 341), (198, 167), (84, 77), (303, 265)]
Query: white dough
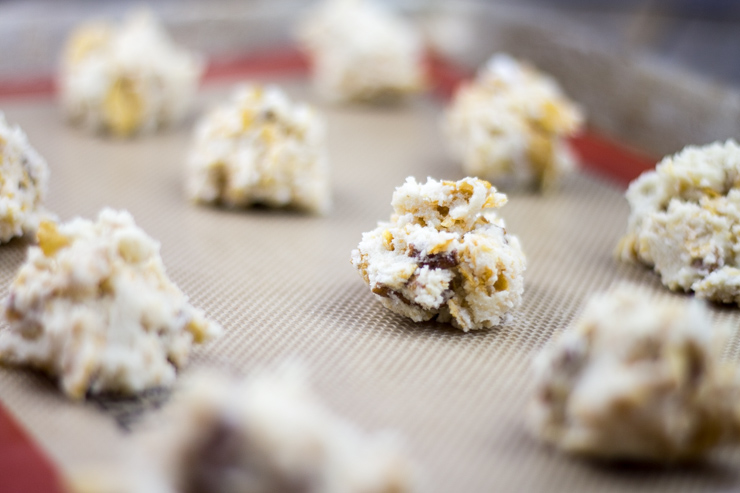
[(362, 51), (685, 221), (93, 307), (260, 148), (24, 179), (127, 79), (266, 434), (444, 254), (636, 379), (509, 125)]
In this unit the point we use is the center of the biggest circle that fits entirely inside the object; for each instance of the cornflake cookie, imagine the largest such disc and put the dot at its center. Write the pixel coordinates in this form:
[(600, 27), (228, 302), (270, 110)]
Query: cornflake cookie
[(638, 380), (361, 51), (260, 148), (24, 178), (685, 221), (92, 305), (444, 254), (510, 125), (269, 433), (127, 79)]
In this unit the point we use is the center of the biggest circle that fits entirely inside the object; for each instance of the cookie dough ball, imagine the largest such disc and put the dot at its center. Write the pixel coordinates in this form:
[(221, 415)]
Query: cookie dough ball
[(510, 125), (685, 221), (24, 178), (126, 79), (362, 52), (444, 254), (271, 433), (260, 148), (92, 306), (637, 380)]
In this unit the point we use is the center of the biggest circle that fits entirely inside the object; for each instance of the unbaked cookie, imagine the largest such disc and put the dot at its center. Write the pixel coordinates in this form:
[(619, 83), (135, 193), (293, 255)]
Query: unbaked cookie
[(445, 254), (126, 79), (24, 178), (92, 306), (362, 51), (510, 125), (685, 221), (269, 433), (260, 148), (635, 379)]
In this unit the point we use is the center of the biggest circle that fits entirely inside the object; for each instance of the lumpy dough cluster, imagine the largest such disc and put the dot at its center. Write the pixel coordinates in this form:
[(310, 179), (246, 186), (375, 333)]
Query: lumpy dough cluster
[(639, 380), (445, 254), (361, 51), (127, 79), (270, 433), (24, 177), (685, 221), (510, 124), (92, 306), (260, 147)]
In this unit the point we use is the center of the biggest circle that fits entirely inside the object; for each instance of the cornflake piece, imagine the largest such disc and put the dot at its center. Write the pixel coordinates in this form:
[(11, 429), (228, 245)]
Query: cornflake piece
[(637, 380), (361, 51), (269, 433), (685, 221), (127, 79), (93, 306), (24, 178), (445, 254), (509, 125), (260, 148)]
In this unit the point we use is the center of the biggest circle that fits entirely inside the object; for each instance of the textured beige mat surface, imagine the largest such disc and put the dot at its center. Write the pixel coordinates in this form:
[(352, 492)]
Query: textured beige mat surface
[(282, 286)]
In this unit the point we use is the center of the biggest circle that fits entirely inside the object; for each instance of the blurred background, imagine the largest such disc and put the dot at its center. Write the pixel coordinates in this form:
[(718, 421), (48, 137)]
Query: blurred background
[(702, 35), (654, 74)]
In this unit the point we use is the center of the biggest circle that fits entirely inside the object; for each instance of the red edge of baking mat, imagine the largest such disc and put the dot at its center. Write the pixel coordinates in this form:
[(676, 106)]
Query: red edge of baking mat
[(23, 466)]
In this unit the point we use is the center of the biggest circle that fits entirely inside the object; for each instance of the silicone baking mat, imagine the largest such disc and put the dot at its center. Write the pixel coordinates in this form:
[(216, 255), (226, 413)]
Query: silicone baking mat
[(282, 286)]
